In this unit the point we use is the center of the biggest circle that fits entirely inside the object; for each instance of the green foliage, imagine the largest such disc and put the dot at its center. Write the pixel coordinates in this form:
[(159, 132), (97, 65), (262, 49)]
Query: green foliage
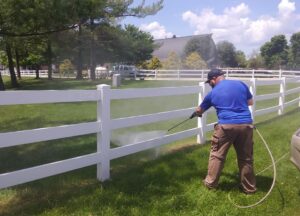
[(3, 58), (295, 50), (275, 52), (154, 63), (57, 24), (141, 45), (172, 62), (194, 61), (255, 61), (241, 59), (226, 54), (204, 46), (66, 67)]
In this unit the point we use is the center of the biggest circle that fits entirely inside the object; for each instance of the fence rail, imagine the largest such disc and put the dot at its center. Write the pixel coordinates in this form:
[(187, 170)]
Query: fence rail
[(202, 74), (104, 124), (180, 74)]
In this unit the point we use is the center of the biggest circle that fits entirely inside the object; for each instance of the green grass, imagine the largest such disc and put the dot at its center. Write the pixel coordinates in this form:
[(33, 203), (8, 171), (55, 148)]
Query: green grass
[(139, 185)]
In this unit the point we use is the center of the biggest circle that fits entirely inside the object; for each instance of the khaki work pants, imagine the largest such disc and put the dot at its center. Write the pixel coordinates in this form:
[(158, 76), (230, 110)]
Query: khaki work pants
[(241, 136)]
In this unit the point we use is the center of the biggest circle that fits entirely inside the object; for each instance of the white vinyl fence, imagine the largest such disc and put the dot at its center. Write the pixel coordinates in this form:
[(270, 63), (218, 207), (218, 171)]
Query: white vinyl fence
[(27, 73), (104, 124), (183, 74)]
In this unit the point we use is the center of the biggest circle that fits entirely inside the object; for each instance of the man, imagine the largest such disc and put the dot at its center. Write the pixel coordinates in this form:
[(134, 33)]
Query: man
[(231, 99)]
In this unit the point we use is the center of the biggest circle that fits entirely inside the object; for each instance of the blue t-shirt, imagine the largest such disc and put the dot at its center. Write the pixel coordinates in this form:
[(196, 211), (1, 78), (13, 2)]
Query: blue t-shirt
[(230, 99)]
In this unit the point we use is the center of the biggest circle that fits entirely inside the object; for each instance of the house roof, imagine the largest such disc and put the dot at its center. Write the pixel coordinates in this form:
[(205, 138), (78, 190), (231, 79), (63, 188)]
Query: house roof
[(177, 45)]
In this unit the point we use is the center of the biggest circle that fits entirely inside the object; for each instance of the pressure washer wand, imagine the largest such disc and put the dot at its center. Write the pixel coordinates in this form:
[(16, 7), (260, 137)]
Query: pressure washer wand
[(180, 123)]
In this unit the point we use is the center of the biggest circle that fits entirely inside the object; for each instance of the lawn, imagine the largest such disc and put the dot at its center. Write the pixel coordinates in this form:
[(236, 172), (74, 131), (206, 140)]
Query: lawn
[(140, 185)]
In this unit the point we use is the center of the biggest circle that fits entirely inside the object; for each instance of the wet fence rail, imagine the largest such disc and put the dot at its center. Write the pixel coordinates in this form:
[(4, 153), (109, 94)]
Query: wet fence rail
[(104, 124)]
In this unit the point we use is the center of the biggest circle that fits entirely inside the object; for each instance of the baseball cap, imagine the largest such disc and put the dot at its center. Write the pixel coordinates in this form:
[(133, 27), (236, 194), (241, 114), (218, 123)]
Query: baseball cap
[(214, 73)]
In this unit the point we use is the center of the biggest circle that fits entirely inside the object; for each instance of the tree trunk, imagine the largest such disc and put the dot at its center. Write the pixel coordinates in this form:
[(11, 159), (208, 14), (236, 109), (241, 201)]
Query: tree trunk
[(49, 60), (2, 88), (37, 72), (79, 61), (92, 52), (18, 63), (13, 77)]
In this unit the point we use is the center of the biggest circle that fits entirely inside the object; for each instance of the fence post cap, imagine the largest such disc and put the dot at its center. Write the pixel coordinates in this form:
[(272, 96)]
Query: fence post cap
[(103, 86)]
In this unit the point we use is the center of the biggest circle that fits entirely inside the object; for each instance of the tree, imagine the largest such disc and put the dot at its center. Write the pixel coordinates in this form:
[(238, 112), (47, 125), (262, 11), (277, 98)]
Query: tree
[(2, 87), (66, 67), (13, 76), (241, 59), (275, 52), (44, 18), (95, 13), (226, 54), (204, 46), (154, 63), (194, 61), (172, 62), (142, 44), (255, 61), (295, 50), (34, 60)]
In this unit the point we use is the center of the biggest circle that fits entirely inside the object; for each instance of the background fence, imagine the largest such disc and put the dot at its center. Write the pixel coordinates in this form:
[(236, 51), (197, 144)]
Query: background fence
[(202, 74), (104, 124), (181, 74)]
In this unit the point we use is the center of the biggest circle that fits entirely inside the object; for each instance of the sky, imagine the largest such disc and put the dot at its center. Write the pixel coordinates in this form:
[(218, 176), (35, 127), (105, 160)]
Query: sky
[(247, 24)]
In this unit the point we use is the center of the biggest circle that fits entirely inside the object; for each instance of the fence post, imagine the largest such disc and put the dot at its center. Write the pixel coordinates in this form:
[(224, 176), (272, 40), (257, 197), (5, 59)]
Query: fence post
[(155, 74), (253, 71), (227, 73), (299, 96), (202, 74), (201, 138), (178, 74), (280, 73), (103, 138), (253, 91), (282, 96)]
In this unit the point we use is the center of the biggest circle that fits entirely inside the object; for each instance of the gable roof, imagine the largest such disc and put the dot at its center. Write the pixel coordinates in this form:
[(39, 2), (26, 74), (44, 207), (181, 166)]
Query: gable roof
[(177, 45)]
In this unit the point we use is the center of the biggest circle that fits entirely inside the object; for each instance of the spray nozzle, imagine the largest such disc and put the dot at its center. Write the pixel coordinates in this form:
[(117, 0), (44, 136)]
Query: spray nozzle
[(194, 114)]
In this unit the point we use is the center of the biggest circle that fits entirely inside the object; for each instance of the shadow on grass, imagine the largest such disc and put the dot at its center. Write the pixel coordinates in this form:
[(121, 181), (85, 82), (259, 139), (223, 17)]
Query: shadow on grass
[(133, 187), (263, 182), (29, 155)]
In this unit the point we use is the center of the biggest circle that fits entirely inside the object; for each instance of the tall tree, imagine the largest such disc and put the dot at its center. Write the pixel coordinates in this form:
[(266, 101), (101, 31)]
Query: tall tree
[(226, 54), (275, 52), (141, 44), (205, 47), (13, 76), (95, 13), (2, 87), (43, 18), (295, 50)]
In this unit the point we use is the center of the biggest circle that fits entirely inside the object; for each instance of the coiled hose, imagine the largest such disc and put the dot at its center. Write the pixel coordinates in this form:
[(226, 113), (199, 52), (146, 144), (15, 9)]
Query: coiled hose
[(274, 177)]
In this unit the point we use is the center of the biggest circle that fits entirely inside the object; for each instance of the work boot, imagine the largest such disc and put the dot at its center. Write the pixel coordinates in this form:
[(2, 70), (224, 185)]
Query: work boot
[(208, 186)]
